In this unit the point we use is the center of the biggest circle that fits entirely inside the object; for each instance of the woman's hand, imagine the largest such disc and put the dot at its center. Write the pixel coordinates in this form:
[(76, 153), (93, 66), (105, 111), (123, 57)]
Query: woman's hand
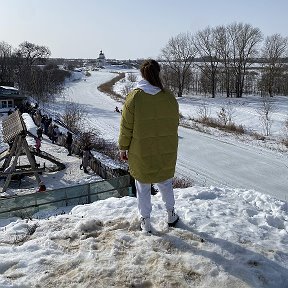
[(124, 155)]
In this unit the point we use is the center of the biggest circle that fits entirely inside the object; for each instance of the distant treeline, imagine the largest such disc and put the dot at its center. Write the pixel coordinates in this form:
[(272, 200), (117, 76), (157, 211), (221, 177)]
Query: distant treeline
[(27, 68), (234, 60)]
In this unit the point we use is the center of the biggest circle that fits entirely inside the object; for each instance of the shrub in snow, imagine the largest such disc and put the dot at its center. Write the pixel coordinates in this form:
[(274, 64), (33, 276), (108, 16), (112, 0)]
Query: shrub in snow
[(132, 77), (226, 113), (73, 117), (223, 116), (126, 89), (285, 140), (204, 111), (264, 113), (182, 182)]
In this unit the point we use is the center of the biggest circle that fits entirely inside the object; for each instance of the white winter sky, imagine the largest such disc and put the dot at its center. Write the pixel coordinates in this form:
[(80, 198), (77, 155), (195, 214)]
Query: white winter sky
[(128, 29)]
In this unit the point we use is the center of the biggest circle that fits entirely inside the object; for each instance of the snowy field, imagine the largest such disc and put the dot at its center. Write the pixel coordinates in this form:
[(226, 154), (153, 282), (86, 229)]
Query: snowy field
[(244, 232), (246, 111)]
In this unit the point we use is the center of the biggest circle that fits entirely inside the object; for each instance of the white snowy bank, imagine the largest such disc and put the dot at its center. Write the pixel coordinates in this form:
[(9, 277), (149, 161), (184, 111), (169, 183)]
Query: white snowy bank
[(100, 245)]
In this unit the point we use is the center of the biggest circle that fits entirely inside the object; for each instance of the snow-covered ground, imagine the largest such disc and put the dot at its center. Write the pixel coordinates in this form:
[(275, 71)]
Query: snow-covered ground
[(246, 111), (99, 244)]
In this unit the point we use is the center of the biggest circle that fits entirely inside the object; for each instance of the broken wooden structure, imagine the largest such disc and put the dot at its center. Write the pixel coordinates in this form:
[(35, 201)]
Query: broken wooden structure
[(14, 133)]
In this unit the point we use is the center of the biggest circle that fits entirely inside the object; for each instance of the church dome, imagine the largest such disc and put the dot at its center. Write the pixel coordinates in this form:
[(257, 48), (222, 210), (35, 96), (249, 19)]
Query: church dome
[(101, 55)]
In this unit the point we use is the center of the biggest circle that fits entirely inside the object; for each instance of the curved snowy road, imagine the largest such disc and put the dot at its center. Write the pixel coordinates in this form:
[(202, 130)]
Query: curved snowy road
[(211, 161), (207, 159), (98, 106)]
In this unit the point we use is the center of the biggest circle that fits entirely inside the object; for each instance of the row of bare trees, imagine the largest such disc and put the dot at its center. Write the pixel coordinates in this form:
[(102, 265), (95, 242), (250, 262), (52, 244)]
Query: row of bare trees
[(223, 58), (26, 66)]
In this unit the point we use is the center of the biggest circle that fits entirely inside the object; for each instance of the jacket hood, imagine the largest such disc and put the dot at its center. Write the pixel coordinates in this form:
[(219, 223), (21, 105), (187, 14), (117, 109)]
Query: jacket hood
[(147, 87)]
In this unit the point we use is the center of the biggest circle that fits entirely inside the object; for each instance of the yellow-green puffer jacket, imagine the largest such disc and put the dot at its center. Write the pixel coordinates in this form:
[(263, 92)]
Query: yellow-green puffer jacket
[(149, 131)]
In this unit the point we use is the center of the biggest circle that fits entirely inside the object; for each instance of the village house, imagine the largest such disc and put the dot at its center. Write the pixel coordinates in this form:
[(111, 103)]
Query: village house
[(10, 98)]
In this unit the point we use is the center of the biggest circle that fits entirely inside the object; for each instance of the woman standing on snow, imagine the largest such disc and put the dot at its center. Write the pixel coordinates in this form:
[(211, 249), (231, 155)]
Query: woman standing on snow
[(149, 139)]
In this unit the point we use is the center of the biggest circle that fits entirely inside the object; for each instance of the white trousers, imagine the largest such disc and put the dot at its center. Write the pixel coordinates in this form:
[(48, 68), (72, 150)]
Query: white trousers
[(144, 196)]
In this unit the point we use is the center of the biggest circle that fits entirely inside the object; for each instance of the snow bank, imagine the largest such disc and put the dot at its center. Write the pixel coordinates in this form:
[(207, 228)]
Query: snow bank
[(100, 245)]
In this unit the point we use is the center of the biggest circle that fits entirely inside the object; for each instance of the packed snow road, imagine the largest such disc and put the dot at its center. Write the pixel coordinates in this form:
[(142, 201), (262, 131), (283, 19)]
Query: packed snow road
[(211, 161), (204, 158)]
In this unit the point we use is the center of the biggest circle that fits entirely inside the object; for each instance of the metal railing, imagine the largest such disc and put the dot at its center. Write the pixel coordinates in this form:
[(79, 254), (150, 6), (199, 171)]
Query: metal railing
[(27, 205)]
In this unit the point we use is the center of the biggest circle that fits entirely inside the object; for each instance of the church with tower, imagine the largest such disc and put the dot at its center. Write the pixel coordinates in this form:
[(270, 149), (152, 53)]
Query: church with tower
[(101, 60)]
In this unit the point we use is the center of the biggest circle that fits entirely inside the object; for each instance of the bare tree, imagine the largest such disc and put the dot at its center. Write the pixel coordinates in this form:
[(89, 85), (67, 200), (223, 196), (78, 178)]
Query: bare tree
[(244, 41), (45, 82), (204, 81), (28, 55), (264, 113), (206, 46), (204, 111), (132, 77), (31, 53), (6, 67), (275, 48), (74, 116), (178, 55), (128, 87), (89, 137), (223, 44)]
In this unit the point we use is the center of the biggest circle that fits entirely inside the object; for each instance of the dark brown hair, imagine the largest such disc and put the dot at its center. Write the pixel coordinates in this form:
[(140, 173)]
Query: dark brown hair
[(150, 70)]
